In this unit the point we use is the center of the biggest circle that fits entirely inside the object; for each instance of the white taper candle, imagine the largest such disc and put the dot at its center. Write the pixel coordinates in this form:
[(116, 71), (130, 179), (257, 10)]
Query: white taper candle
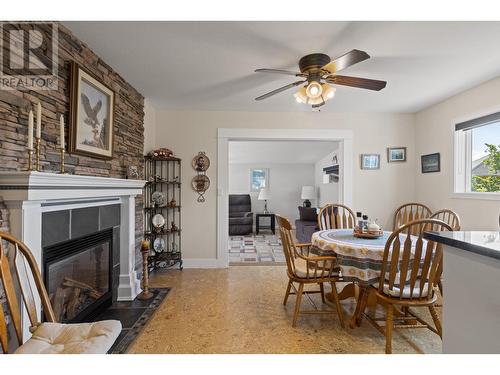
[(30, 130), (39, 120), (61, 124)]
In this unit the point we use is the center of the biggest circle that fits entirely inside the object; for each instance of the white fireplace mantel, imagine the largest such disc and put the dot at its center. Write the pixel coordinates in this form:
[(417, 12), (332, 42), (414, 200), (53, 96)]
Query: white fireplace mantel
[(28, 194)]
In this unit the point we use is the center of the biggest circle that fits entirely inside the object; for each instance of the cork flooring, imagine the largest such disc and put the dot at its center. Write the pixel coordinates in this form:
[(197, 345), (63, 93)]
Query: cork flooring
[(240, 310)]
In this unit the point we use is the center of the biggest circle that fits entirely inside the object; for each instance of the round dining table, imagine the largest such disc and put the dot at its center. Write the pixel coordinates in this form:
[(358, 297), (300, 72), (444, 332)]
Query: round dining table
[(359, 260)]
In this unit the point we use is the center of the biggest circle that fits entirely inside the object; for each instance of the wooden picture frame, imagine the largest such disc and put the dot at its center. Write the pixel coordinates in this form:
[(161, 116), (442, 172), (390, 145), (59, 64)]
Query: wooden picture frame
[(396, 154), (92, 110), (431, 163), (370, 161)]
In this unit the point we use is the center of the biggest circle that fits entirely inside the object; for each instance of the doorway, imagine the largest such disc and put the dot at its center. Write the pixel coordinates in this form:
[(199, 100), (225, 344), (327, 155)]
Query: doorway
[(227, 136)]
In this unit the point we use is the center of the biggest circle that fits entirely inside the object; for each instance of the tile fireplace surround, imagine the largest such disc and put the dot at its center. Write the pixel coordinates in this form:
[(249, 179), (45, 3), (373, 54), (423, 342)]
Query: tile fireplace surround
[(28, 195)]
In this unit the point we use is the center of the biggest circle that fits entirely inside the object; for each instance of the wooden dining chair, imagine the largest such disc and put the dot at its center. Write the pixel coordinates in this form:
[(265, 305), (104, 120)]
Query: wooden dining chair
[(453, 220), (408, 277), (410, 212), (49, 337), (449, 217), (336, 216), (305, 269)]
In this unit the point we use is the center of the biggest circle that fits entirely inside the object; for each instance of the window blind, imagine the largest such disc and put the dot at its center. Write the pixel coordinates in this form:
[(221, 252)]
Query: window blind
[(475, 123)]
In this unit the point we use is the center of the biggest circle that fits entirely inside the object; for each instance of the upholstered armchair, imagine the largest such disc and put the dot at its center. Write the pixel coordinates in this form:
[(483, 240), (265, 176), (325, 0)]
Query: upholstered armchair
[(240, 214)]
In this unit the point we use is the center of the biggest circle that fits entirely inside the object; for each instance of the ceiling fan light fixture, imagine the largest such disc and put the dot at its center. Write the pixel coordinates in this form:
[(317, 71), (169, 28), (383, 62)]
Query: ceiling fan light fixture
[(328, 91), (314, 90), (301, 96)]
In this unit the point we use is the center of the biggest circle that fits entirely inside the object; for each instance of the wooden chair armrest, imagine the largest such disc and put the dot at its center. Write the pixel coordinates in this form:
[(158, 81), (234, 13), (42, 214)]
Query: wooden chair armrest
[(303, 245), (317, 258)]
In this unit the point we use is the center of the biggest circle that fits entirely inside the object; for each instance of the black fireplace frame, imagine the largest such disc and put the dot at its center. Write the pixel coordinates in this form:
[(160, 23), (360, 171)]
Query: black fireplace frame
[(61, 250)]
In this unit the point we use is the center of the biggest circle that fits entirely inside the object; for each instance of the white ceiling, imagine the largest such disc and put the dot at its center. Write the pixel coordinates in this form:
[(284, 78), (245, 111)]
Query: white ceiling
[(209, 65), (279, 152)]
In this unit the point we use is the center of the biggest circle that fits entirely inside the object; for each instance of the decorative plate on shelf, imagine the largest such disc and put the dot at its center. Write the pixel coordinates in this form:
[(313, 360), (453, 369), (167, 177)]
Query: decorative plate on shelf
[(158, 198), (158, 221), (159, 245)]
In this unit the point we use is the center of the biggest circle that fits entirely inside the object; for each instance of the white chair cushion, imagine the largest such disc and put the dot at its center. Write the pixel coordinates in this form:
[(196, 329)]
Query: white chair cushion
[(396, 292), (301, 270), (82, 338)]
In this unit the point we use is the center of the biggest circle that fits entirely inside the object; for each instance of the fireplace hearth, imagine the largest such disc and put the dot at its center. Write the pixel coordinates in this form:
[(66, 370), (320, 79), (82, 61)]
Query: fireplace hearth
[(78, 276)]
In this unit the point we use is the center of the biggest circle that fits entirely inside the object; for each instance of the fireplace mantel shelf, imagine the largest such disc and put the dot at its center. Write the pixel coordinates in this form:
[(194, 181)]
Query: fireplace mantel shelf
[(28, 186)]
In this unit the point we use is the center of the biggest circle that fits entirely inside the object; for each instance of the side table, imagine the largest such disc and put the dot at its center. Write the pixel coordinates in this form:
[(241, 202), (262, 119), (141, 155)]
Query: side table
[(258, 227)]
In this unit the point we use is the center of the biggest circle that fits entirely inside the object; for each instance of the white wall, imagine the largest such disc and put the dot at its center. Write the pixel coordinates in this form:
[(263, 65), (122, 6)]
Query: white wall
[(285, 184), (376, 192), (434, 133), (327, 193), (149, 126)]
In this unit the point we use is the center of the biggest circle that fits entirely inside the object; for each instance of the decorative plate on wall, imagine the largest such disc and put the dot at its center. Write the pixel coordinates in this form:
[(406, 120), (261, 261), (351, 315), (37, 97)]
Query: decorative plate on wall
[(201, 162), (200, 184)]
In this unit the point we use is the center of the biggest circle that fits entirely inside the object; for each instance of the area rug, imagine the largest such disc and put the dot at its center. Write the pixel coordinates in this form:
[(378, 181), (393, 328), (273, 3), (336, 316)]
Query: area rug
[(255, 250), (134, 316)]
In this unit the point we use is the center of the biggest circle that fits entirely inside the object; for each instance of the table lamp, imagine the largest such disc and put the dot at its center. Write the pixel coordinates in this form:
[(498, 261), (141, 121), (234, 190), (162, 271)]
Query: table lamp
[(308, 192), (264, 196)]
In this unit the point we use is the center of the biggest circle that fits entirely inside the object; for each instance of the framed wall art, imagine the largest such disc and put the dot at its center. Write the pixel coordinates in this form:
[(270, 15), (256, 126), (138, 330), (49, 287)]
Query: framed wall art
[(431, 163), (91, 115), (396, 154), (370, 161)]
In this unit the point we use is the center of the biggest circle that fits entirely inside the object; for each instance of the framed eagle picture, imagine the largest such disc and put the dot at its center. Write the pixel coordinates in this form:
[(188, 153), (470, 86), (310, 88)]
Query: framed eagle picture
[(91, 115)]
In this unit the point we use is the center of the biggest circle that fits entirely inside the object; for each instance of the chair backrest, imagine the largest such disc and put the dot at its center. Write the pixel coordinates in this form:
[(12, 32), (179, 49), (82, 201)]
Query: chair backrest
[(336, 216), (287, 242), (239, 204), (14, 275), (449, 217), (410, 265), (410, 212)]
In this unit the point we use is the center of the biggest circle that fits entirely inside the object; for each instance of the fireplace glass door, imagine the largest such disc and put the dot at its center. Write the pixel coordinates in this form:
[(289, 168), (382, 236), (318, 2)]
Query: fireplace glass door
[(77, 276)]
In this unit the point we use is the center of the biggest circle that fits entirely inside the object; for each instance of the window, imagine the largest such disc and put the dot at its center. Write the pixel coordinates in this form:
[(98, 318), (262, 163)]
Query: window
[(259, 179), (477, 155)]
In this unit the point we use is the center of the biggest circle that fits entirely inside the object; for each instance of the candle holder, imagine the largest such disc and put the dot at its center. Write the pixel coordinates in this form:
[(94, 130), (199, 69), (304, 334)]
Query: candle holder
[(37, 148), (62, 160), (145, 294), (30, 159)]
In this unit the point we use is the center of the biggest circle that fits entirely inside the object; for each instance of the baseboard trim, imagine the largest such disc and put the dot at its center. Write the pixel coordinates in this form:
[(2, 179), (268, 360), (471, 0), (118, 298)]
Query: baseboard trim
[(202, 263)]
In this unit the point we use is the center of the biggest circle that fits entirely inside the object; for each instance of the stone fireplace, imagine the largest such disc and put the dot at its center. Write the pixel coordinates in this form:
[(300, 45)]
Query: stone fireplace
[(50, 212)]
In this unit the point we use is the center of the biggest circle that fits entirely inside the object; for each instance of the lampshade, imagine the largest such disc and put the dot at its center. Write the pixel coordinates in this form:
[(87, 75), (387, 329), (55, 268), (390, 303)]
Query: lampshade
[(264, 194), (308, 192)]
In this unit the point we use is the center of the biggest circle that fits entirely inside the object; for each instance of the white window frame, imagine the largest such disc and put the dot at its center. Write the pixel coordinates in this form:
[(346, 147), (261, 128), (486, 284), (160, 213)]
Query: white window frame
[(462, 160)]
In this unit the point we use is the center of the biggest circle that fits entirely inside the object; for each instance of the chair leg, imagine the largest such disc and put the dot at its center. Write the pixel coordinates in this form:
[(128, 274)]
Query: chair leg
[(388, 329), (437, 323), (289, 286), (322, 289), (297, 304), (440, 286), (338, 305)]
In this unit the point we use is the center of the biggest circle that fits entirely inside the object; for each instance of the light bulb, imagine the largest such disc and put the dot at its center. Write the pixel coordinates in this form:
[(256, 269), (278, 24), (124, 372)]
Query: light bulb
[(314, 89), (298, 100), (330, 94)]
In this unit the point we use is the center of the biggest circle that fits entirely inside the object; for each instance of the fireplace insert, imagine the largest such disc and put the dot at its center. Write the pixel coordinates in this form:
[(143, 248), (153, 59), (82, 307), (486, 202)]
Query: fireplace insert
[(78, 276)]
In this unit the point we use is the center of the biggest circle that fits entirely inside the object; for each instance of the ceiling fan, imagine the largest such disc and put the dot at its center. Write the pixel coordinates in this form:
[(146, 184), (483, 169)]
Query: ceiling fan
[(318, 72)]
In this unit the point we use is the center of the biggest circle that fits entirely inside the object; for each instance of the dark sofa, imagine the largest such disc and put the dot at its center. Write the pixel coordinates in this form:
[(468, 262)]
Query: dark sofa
[(240, 214), (306, 225)]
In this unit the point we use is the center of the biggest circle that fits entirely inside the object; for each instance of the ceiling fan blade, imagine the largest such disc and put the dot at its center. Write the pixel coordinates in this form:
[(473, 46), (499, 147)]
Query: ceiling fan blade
[(350, 58), (362, 83), (280, 71), (277, 91)]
